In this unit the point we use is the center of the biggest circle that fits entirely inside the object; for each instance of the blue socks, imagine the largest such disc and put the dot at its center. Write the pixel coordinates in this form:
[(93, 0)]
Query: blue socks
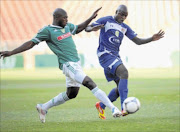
[(112, 97), (123, 93), (123, 90)]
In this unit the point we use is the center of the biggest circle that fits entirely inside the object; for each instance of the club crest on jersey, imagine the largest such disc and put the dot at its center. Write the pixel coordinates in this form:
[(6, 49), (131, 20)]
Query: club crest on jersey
[(55, 30), (64, 36), (117, 33), (63, 30)]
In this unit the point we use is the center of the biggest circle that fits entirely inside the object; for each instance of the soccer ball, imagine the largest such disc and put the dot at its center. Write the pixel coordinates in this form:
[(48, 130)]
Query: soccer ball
[(131, 105)]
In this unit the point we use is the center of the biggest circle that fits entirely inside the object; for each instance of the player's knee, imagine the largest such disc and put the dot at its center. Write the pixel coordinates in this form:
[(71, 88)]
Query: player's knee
[(72, 92), (124, 75), (72, 95), (88, 82)]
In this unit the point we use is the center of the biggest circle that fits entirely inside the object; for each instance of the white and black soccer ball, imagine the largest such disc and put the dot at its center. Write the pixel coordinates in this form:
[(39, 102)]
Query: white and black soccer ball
[(131, 105)]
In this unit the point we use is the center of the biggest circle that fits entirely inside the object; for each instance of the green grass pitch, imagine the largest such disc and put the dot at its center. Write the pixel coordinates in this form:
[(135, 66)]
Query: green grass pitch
[(157, 89)]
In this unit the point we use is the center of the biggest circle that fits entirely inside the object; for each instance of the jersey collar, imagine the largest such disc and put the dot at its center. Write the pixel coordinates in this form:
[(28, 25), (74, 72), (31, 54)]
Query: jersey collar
[(56, 26), (115, 20)]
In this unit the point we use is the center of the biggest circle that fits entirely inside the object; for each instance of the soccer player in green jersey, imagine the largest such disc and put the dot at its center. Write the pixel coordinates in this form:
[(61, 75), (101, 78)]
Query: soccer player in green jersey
[(58, 37)]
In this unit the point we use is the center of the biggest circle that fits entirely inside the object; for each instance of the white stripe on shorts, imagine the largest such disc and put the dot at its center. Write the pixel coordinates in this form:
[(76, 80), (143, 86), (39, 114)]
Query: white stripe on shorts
[(110, 66)]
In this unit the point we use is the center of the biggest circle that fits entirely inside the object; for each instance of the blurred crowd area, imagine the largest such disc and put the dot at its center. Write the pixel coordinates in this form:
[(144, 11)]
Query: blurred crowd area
[(21, 20)]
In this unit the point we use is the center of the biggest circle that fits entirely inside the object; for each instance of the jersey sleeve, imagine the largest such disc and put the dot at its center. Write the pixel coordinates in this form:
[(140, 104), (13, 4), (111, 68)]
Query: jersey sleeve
[(130, 33), (42, 35), (99, 21), (73, 28)]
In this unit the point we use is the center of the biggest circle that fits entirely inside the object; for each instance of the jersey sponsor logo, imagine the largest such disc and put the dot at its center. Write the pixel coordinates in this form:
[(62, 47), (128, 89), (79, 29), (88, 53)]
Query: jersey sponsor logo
[(114, 40), (115, 26), (64, 36)]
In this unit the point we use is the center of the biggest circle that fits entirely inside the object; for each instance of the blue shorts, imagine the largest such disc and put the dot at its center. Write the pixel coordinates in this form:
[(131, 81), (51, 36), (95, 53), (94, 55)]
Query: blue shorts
[(110, 63)]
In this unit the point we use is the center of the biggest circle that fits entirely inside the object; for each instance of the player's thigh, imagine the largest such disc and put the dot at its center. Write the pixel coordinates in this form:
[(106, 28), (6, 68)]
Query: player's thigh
[(121, 71), (110, 76), (72, 83), (110, 63), (74, 73)]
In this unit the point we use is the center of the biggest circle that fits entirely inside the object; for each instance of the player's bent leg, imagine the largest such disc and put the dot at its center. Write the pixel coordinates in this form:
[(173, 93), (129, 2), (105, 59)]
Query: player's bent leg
[(78, 75), (113, 95), (59, 99)]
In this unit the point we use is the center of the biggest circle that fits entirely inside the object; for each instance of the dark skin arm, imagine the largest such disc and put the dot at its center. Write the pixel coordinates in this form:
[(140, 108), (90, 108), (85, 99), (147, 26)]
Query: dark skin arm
[(26, 46), (83, 25), (138, 41), (157, 36), (94, 28)]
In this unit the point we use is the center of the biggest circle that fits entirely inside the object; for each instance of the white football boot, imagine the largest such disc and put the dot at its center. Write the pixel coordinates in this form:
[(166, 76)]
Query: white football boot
[(42, 113), (115, 112)]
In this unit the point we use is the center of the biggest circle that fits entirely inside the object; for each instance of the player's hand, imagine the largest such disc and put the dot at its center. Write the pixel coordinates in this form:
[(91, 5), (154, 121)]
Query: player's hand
[(4, 54), (94, 15), (97, 27), (158, 36)]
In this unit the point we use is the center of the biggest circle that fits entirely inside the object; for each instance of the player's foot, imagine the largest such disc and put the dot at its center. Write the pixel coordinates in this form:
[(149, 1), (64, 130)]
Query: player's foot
[(100, 111), (116, 112), (42, 113), (124, 113)]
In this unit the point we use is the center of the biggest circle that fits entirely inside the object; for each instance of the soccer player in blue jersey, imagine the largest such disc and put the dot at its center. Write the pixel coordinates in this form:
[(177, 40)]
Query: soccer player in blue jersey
[(112, 31), (58, 37)]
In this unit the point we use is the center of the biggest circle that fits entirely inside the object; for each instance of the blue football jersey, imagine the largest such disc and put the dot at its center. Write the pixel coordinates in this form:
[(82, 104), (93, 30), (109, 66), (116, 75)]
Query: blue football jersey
[(112, 35)]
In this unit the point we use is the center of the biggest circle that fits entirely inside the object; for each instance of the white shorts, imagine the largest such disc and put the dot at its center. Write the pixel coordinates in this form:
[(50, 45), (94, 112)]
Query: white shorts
[(74, 74)]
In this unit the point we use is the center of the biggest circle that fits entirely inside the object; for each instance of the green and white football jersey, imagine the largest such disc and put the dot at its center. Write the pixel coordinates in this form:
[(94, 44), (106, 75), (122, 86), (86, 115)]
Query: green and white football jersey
[(59, 41)]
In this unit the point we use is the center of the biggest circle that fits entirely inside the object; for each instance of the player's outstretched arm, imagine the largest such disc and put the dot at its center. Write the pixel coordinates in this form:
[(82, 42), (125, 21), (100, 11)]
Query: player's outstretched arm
[(83, 25), (155, 37), (26, 46), (94, 28)]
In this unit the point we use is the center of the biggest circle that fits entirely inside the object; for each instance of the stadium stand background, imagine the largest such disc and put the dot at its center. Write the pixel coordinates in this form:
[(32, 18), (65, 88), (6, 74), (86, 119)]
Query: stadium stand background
[(20, 21)]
